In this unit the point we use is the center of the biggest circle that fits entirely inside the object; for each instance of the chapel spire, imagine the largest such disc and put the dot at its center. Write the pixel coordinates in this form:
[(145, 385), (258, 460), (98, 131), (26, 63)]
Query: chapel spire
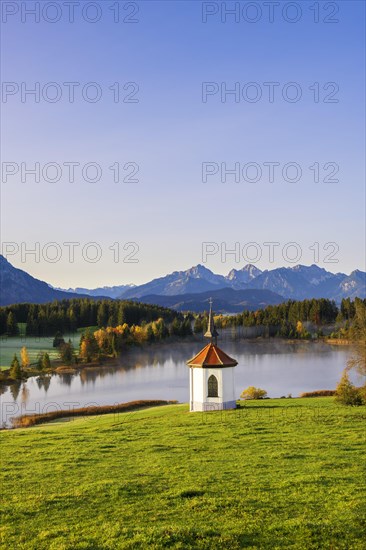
[(211, 330)]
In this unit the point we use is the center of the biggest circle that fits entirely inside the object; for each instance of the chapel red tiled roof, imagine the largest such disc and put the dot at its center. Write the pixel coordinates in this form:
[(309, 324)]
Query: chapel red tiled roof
[(211, 356)]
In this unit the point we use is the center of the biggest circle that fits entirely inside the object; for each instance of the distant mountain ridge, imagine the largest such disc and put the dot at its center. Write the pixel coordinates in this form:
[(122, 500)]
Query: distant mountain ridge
[(194, 280), (226, 300), (17, 286), (297, 283), (107, 291)]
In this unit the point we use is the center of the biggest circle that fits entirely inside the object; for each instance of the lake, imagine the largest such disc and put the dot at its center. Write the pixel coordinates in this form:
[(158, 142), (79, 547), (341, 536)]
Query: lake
[(159, 372)]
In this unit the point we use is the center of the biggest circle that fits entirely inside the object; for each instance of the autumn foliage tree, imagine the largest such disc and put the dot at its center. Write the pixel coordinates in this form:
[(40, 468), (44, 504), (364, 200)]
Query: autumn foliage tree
[(112, 340), (88, 347), (253, 393), (24, 357)]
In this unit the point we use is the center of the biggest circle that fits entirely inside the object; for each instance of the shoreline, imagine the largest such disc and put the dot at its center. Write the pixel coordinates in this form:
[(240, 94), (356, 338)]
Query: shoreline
[(29, 420), (108, 360)]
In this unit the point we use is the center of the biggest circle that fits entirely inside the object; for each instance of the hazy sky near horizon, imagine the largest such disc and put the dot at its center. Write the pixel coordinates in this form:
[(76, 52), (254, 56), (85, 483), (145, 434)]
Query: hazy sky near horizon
[(172, 136)]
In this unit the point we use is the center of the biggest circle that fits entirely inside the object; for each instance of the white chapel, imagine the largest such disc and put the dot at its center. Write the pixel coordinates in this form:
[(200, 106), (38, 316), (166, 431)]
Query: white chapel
[(211, 375)]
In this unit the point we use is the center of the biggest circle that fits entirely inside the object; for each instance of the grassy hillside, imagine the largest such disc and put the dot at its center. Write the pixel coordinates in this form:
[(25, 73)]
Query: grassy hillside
[(272, 474)]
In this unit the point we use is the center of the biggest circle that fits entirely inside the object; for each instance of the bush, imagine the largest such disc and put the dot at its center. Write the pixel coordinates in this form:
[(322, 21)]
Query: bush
[(253, 393), (318, 393), (346, 393)]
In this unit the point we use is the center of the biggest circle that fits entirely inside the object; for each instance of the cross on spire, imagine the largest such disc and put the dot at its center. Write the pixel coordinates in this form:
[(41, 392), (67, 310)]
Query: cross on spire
[(211, 330)]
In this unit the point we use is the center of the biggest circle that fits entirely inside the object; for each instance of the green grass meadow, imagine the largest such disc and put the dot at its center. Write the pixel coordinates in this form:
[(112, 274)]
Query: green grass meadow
[(274, 474), (13, 344)]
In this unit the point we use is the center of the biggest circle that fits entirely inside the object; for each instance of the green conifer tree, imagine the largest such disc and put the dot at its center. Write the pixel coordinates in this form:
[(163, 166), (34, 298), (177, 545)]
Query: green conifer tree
[(15, 370)]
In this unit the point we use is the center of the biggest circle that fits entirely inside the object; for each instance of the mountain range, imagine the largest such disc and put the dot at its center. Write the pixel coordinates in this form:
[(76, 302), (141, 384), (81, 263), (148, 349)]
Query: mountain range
[(192, 288), (226, 300), (298, 283), (17, 286), (113, 292)]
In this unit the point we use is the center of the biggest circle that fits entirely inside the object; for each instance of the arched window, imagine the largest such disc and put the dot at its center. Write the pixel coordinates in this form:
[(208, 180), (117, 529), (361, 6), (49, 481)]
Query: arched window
[(212, 387)]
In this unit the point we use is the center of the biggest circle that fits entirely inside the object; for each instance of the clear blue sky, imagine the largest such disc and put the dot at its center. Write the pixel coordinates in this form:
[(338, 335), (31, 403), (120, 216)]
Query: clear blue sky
[(170, 132)]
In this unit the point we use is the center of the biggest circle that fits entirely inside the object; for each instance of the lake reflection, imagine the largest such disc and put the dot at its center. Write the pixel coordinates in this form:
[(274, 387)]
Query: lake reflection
[(159, 372)]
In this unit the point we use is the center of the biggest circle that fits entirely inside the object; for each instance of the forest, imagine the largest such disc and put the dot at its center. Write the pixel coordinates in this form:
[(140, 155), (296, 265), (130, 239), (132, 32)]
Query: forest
[(290, 319), (106, 327), (69, 315)]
